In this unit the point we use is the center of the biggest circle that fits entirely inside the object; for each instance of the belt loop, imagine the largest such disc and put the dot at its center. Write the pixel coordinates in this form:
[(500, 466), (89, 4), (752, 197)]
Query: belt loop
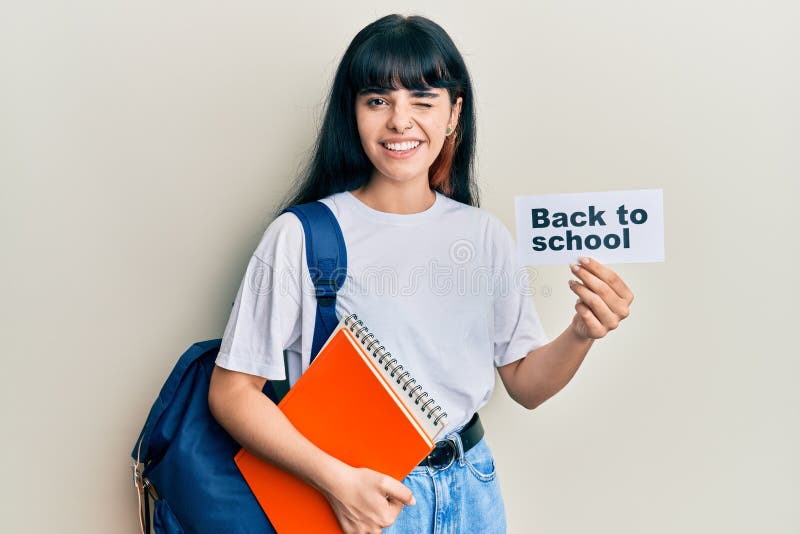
[(455, 437)]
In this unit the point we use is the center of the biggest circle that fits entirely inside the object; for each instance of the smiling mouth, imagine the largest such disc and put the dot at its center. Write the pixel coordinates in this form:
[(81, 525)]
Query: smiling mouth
[(405, 146)]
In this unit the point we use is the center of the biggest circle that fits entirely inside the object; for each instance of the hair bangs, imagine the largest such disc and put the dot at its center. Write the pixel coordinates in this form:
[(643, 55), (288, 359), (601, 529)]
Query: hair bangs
[(396, 59)]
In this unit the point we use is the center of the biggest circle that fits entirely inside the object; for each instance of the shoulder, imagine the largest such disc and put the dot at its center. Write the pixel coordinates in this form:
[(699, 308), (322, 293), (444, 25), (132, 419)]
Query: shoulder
[(285, 223), (283, 241), (335, 202), (284, 237), (492, 228)]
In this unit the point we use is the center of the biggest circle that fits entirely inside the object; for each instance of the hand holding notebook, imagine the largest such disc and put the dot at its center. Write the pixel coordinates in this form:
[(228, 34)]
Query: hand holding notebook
[(358, 404), (365, 498)]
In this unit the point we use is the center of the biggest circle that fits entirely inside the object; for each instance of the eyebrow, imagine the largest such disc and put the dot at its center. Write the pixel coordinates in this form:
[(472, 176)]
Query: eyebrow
[(385, 91)]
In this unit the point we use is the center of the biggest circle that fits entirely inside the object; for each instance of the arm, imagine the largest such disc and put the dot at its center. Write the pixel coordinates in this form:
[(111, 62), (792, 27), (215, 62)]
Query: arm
[(362, 499), (544, 371), (604, 300), (252, 419)]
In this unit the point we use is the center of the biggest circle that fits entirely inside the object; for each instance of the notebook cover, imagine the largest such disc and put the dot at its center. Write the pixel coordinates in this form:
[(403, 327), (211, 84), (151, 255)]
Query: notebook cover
[(345, 406)]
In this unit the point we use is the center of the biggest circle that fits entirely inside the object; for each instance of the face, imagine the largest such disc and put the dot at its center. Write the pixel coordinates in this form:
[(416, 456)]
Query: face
[(403, 131)]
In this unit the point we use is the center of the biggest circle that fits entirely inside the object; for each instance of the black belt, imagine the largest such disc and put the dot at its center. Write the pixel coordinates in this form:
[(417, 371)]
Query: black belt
[(447, 450)]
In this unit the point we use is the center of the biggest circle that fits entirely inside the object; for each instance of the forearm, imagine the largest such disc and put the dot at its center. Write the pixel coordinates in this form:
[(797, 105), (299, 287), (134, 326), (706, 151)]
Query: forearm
[(254, 421), (544, 371)]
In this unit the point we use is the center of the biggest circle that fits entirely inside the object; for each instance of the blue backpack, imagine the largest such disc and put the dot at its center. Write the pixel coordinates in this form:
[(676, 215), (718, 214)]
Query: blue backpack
[(183, 458)]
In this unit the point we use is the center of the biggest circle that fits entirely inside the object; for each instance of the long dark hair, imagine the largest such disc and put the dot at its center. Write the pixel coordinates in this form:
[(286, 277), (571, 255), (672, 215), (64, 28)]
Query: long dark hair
[(416, 53)]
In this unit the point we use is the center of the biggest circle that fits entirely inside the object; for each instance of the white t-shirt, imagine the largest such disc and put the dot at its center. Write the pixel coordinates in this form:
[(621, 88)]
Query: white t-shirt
[(440, 289)]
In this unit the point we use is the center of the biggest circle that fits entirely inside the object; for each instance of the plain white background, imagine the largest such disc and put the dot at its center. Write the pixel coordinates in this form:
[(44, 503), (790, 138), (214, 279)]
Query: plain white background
[(144, 144)]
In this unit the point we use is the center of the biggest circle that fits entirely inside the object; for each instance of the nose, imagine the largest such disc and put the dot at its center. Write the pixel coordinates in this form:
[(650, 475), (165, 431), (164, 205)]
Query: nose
[(401, 118)]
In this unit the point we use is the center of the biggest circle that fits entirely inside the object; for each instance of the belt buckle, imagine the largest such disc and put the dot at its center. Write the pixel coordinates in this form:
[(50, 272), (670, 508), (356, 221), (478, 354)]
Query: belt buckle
[(440, 450)]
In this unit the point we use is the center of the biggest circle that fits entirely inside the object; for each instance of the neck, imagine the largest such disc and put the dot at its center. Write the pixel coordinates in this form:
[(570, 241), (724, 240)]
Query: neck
[(392, 197)]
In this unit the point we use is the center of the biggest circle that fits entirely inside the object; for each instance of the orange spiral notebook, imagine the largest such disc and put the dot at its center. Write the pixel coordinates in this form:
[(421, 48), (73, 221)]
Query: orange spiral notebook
[(358, 403)]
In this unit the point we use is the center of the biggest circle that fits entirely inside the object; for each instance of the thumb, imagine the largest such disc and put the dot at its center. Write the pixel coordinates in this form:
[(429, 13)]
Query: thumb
[(399, 492)]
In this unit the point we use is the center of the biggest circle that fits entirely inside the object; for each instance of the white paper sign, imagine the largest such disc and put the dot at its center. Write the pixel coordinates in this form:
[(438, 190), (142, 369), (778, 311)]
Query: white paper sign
[(610, 226)]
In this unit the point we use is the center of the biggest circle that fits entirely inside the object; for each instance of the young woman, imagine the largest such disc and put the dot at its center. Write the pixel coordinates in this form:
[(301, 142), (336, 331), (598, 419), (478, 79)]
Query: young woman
[(394, 162)]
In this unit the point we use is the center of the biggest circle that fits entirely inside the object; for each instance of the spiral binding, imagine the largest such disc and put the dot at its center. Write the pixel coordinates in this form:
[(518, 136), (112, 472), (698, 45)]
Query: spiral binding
[(352, 322)]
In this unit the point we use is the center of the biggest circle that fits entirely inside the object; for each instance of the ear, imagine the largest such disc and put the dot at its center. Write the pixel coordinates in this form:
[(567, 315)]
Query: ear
[(455, 112)]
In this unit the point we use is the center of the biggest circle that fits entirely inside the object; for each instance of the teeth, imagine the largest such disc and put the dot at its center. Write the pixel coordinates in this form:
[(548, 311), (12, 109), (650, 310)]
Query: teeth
[(407, 145)]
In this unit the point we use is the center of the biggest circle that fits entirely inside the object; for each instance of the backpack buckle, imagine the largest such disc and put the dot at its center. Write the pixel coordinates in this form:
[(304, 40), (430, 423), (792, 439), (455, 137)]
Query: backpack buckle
[(325, 291), (137, 476), (142, 485), (325, 301)]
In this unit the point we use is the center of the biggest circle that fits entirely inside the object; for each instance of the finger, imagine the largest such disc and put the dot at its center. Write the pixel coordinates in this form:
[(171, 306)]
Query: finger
[(598, 306), (398, 491), (614, 302), (608, 276), (593, 325)]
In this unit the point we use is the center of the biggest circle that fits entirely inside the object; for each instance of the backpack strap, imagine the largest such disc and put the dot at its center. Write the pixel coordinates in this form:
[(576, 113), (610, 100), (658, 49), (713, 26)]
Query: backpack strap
[(326, 256)]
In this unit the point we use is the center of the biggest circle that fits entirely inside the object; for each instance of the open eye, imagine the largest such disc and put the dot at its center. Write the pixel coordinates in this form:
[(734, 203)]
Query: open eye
[(372, 102)]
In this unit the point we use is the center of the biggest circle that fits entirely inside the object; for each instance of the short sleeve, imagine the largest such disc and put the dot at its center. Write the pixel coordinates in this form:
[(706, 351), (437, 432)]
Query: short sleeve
[(517, 327), (266, 314)]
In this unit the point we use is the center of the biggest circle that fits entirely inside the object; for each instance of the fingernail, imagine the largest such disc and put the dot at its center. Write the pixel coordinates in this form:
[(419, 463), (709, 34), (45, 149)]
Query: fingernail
[(584, 261), (413, 500), (575, 267), (571, 282)]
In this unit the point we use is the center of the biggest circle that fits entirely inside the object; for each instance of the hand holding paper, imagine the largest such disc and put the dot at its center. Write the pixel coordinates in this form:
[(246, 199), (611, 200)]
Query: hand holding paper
[(604, 299)]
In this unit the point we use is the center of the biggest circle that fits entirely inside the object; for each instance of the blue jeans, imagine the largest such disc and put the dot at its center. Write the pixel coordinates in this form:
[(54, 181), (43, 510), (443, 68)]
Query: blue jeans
[(463, 497)]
